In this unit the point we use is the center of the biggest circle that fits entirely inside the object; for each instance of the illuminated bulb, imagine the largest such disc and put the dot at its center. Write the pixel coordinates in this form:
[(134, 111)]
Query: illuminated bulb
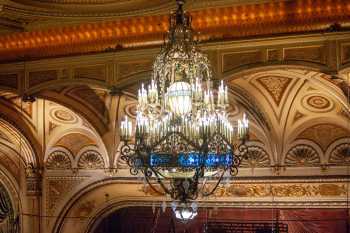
[(179, 98)]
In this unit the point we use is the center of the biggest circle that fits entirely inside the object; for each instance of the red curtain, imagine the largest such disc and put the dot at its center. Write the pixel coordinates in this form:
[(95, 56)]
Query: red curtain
[(315, 220)]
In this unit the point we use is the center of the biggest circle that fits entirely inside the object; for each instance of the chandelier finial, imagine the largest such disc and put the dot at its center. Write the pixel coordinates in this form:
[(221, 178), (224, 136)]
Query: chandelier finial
[(180, 15)]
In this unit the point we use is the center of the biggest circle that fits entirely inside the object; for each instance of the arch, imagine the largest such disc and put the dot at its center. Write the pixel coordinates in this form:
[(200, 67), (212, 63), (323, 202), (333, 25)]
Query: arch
[(19, 144), (23, 133), (101, 125)]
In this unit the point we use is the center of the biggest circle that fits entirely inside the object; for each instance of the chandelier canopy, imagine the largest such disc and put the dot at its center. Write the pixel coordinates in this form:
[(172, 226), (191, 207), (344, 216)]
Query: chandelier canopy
[(183, 136)]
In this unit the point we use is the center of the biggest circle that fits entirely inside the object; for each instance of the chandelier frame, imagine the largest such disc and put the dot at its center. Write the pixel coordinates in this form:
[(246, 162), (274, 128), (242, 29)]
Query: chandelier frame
[(182, 138)]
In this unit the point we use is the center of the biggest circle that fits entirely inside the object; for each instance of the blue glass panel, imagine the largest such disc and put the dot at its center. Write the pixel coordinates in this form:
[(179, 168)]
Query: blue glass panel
[(191, 160), (160, 160), (215, 160)]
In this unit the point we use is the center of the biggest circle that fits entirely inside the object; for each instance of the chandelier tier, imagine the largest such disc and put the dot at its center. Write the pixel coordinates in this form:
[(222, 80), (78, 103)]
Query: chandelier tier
[(183, 136)]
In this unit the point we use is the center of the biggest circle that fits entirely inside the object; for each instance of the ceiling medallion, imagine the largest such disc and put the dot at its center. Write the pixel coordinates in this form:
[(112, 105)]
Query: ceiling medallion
[(183, 139)]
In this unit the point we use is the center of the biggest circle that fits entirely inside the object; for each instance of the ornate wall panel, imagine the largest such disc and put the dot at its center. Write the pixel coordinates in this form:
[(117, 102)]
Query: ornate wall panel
[(39, 77), (312, 53)]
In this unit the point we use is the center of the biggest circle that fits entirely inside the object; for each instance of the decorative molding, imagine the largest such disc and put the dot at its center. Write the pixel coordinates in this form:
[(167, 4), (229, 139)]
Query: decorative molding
[(275, 86), (33, 181), (317, 103), (255, 157), (281, 190), (58, 160), (91, 159), (340, 155), (302, 155)]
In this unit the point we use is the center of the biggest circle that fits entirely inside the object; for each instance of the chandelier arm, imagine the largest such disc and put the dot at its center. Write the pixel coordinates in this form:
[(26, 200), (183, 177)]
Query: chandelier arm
[(153, 187), (216, 185), (159, 180)]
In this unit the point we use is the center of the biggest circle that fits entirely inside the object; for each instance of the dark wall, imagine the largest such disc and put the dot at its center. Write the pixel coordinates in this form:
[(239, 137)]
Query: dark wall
[(227, 220)]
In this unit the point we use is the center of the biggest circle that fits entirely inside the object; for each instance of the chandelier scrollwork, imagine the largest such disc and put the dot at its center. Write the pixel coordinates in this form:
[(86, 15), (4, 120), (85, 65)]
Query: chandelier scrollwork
[(183, 138)]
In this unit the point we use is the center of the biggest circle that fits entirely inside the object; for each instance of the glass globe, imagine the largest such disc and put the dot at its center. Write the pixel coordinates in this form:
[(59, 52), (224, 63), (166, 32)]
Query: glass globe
[(179, 98), (185, 214)]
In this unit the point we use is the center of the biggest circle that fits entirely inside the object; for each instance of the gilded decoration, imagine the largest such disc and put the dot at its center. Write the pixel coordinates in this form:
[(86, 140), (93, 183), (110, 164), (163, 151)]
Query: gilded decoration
[(57, 190), (275, 86), (340, 155), (256, 157), (302, 155), (291, 190), (323, 134), (58, 160), (33, 180), (91, 160)]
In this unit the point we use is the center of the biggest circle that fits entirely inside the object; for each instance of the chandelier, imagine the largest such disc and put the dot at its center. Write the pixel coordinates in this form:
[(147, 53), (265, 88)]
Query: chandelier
[(183, 139)]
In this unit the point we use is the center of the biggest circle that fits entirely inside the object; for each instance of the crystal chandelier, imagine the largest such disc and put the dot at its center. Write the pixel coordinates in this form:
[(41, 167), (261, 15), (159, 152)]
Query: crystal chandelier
[(183, 138)]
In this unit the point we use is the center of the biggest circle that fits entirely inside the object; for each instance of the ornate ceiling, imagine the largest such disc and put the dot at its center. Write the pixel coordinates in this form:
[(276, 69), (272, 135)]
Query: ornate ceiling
[(50, 29)]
